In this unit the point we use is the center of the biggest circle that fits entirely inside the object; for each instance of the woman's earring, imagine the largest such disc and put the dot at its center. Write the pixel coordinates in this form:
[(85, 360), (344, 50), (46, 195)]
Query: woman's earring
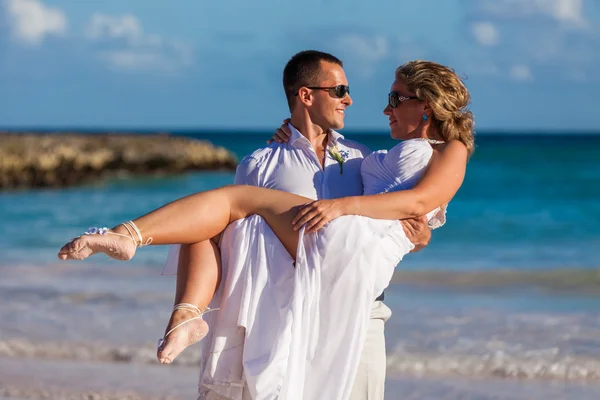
[(424, 117)]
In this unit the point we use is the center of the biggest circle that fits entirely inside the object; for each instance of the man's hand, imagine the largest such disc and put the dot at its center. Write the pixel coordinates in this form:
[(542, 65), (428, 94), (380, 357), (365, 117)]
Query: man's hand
[(318, 213), (417, 231), (282, 134)]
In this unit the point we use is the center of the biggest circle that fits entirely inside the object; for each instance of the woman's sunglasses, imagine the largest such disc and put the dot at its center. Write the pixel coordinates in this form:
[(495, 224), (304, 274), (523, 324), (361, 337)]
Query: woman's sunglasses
[(394, 99), (339, 91)]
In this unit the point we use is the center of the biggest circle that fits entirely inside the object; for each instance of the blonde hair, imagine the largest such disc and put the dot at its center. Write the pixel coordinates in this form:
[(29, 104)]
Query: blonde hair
[(447, 96)]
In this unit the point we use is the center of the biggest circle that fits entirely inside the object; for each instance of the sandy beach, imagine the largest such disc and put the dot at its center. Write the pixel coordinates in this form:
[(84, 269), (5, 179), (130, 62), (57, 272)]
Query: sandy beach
[(88, 332), (65, 380), (22, 379)]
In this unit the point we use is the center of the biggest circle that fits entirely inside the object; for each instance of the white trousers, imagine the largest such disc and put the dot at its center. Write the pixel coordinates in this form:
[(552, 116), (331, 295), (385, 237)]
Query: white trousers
[(370, 378)]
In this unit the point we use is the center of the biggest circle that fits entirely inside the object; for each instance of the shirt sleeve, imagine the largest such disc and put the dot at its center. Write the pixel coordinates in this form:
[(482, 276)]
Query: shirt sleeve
[(247, 172)]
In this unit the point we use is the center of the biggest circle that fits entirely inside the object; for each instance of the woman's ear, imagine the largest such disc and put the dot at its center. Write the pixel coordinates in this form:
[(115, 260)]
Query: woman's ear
[(427, 110)]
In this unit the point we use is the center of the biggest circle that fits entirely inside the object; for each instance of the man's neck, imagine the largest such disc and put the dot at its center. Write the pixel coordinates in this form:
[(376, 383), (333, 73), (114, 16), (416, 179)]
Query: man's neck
[(316, 135)]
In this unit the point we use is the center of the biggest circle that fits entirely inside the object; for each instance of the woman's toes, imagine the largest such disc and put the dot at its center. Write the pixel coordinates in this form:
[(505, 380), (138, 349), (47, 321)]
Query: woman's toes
[(82, 247), (78, 244), (191, 331), (66, 251)]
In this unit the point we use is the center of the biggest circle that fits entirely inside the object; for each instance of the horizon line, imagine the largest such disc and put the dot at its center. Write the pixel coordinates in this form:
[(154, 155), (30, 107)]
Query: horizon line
[(217, 130)]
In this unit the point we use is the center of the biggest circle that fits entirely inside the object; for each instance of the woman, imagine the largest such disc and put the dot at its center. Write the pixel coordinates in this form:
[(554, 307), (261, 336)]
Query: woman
[(428, 105)]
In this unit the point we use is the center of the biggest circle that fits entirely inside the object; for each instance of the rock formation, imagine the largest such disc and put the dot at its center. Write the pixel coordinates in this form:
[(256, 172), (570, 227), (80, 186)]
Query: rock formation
[(31, 160)]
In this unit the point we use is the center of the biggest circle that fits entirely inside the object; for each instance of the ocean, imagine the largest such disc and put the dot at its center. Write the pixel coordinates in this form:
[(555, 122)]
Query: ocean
[(503, 303)]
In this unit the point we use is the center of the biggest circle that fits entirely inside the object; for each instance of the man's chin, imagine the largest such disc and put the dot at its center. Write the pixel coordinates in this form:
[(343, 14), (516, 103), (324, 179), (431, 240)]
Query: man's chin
[(337, 125)]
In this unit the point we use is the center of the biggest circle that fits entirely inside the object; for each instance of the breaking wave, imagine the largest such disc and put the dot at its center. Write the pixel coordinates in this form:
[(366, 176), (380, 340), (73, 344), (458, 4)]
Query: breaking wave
[(547, 364), (578, 281)]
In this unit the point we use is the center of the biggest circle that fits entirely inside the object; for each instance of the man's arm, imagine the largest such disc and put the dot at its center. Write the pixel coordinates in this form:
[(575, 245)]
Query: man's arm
[(247, 172)]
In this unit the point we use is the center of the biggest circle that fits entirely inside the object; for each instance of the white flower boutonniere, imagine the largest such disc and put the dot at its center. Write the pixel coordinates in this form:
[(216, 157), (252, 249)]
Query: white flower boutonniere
[(339, 155)]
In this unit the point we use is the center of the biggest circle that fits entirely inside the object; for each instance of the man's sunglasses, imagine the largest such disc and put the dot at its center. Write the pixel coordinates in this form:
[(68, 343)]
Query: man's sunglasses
[(394, 99), (339, 91)]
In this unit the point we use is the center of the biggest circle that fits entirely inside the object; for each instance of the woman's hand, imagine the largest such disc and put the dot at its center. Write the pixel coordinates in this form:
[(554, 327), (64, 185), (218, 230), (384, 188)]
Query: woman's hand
[(318, 213), (282, 134)]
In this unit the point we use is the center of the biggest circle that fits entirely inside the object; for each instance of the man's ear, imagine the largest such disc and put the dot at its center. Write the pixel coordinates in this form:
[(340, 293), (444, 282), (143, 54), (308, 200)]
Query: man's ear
[(305, 96)]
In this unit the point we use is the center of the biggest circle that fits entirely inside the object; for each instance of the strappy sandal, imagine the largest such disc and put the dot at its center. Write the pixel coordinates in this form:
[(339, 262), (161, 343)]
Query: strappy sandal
[(188, 307), (107, 248)]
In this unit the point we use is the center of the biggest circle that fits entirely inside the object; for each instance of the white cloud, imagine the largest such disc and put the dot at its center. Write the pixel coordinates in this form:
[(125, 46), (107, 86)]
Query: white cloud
[(520, 72), (134, 49), (125, 26), (485, 33), (549, 36), (31, 21), (366, 51), (127, 59), (372, 48), (565, 11)]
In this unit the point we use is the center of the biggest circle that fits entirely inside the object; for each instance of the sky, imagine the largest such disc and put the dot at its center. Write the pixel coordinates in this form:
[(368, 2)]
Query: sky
[(531, 65)]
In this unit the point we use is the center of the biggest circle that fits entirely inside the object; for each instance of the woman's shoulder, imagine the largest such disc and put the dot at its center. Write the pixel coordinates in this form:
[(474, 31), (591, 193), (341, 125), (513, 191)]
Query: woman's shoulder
[(406, 150), (410, 149), (453, 146), (452, 150), (414, 151)]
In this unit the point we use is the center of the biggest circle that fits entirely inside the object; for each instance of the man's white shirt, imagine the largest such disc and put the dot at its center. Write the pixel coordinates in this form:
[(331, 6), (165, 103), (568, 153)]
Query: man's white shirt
[(295, 168)]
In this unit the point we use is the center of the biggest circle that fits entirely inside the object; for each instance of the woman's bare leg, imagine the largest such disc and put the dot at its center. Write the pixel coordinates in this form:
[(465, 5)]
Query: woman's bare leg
[(201, 216), (198, 276), (198, 273), (196, 218)]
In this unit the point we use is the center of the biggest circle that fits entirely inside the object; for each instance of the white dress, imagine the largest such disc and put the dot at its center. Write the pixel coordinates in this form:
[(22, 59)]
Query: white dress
[(298, 332)]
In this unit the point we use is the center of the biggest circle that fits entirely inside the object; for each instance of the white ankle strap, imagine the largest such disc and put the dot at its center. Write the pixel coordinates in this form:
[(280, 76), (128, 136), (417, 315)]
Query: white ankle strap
[(131, 229), (189, 307), (104, 231), (133, 226), (131, 235)]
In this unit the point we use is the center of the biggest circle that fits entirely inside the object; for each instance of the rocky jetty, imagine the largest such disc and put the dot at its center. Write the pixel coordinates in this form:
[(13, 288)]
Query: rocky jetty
[(31, 160)]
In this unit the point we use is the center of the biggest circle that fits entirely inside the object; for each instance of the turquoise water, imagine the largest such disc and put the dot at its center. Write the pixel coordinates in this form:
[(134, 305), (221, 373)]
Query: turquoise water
[(528, 202), (530, 205)]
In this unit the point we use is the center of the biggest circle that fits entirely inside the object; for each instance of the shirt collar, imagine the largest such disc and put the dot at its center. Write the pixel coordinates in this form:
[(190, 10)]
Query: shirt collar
[(335, 136), (296, 135)]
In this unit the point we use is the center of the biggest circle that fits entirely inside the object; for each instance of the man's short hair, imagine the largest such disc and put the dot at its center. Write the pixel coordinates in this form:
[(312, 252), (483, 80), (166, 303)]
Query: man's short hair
[(303, 70)]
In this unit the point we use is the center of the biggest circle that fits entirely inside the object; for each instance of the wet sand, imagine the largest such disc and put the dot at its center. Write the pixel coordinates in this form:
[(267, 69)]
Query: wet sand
[(442, 388), (90, 333), (66, 380)]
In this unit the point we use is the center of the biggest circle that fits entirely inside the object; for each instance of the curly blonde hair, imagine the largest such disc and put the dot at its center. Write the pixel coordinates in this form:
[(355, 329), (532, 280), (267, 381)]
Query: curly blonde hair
[(447, 96)]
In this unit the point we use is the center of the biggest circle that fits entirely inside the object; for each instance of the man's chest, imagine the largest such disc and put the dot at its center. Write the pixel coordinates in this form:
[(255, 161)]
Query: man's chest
[(301, 174)]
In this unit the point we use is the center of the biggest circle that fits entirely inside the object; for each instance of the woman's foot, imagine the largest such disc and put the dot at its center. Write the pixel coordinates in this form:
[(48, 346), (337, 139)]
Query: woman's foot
[(185, 328), (116, 243)]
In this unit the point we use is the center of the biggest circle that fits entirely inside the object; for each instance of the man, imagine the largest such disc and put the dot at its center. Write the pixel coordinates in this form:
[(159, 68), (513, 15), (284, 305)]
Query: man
[(317, 93)]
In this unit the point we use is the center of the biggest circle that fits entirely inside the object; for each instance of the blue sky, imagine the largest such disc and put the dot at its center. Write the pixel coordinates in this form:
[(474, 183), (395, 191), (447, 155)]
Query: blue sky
[(185, 64)]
